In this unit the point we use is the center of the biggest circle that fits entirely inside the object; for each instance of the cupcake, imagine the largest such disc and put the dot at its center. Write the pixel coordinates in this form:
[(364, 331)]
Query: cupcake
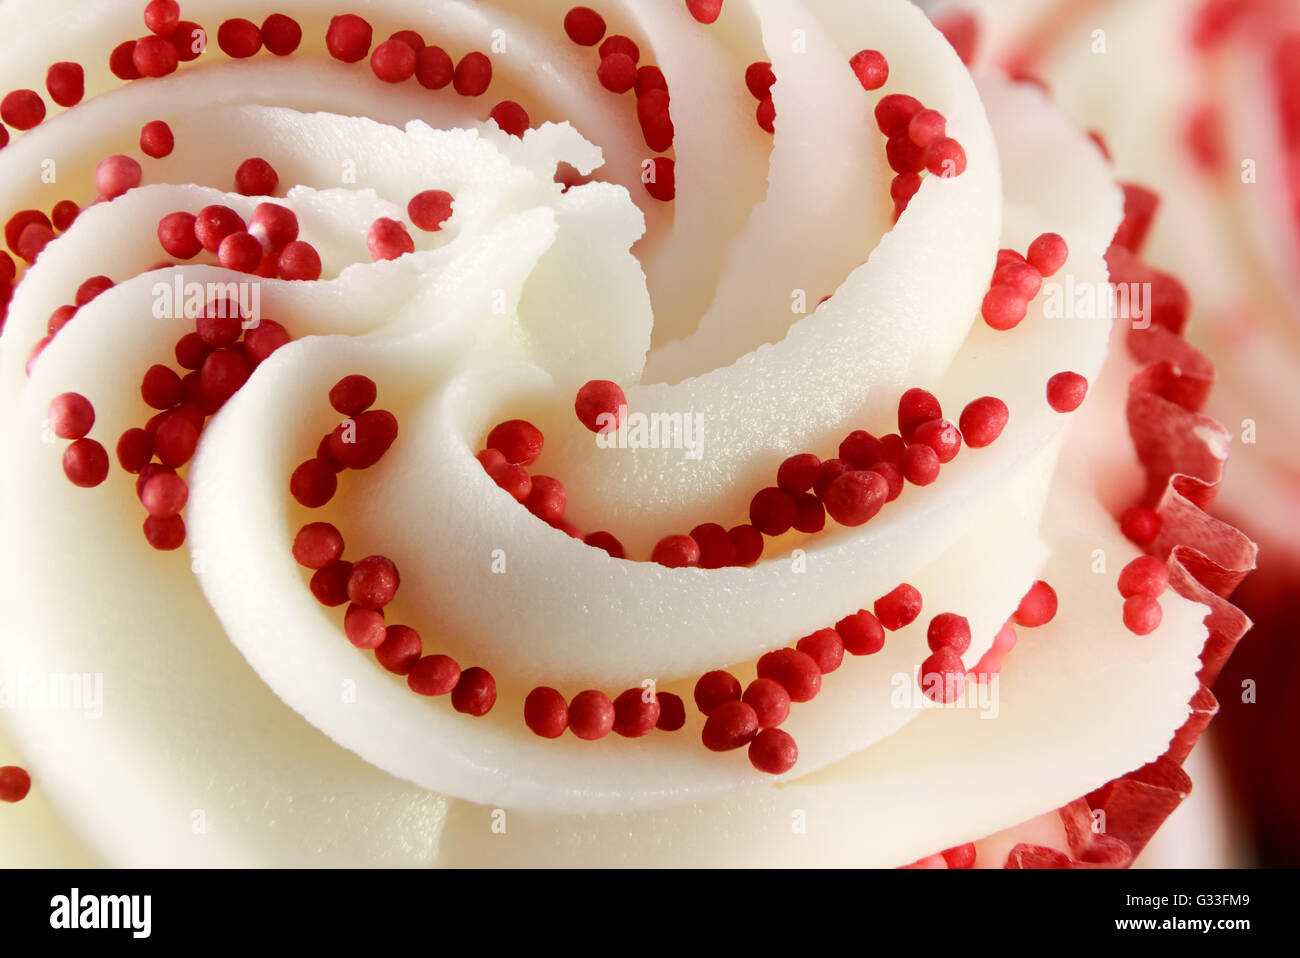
[(697, 436)]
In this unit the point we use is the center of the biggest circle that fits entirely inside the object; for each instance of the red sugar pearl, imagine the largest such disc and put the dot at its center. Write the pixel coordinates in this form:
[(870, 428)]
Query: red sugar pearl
[(797, 672), (830, 470), (1142, 614), (1145, 575), (871, 68), (275, 226), (240, 252), (156, 139), (1021, 277), (15, 783), (748, 542), (511, 117), (519, 441), (85, 463), (893, 476), (299, 261), (373, 582), (672, 712), (945, 158), (1048, 253), (661, 179), (313, 484), (71, 415), (759, 78), (317, 545), (60, 318), (161, 16), (348, 37), (1066, 391), (617, 73), (633, 715), (164, 534), (591, 715), (165, 495), (1140, 524), (353, 395), (943, 677), (176, 441), (330, 585), (473, 74), (134, 450), (214, 223), (606, 541), (434, 675), (730, 726), (861, 633), (115, 175), (33, 240), (903, 187), (177, 237), (388, 239), (513, 479), (1007, 257), (798, 473), (676, 552), (410, 37), (430, 209), (189, 39), (983, 420), (365, 629), (281, 34), (926, 127), (546, 713), (825, 647), (948, 631), (705, 11), (1038, 607), (372, 433), (121, 61), (22, 109), (769, 700), (324, 455), (894, 114), (650, 78), (810, 514), (154, 56), (653, 111), (856, 497), (263, 340), (618, 43), (915, 407), (960, 856), (599, 405), (220, 323), (401, 649), (161, 387), (899, 608), (584, 26), (18, 223), (393, 61), (239, 38), (256, 177), (773, 511), (773, 751), (66, 83), (714, 689), (475, 692), (766, 116), (547, 500), (903, 155), (1004, 307), (433, 68), (941, 436)]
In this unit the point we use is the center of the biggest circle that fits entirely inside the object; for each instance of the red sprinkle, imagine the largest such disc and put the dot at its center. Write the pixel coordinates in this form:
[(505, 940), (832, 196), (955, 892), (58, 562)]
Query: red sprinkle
[(281, 34), (165, 495), (161, 387), (434, 675), (1038, 607), (60, 318), (945, 158), (861, 633), (122, 63), (650, 78), (941, 436), (617, 73), (773, 511), (1145, 575), (591, 715), (15, 783), (388, 239), (948, 631), (220, 323), (393, 61), (411, 38), (600, 405), (511, 117), (672, 712), (983, 420), (899, 608), (903, 155), (176, 235), (1021, 277), (313, 484), (825, 647), (475, 693), (176, 440), (318, 545), (926, 127), (960, 856), (513, 479), (299, 261), (353, 395), (239, 38), (85, 463), (373, 582), (943, 677), (871, 68), (856, 497), (275, 226), (1004, 307), (430, 209), (22, 109), (189, 39), (584, 26), (63, 215), (705, 11), (661, 179), (731, 726), (796, 671), (241, 252), (263, 340), (766, 116), (894, 114), (915, 407), (769, 700), (433, 68), (1141, 614), (748, 542), (348, 37), (633, 715), (714, 689), (519, 441), (798, 473), (134, 450), (66, 83), (155, 56), (71, 415), (1140, 524), (773, 751), (653, 111), (364, 628), (215, 223), (117, 174), (473, 74), (1066, 391), (676, 552), (1048, 253), (256, 177), (606, 541), (330, 585), (156, 139), (759, 78), (365, 442), (401, 649), (165, 535), (545, 712)]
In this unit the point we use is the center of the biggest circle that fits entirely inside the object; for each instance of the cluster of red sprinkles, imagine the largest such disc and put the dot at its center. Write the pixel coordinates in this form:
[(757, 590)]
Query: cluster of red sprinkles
[(15, 783), (916, 141)]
